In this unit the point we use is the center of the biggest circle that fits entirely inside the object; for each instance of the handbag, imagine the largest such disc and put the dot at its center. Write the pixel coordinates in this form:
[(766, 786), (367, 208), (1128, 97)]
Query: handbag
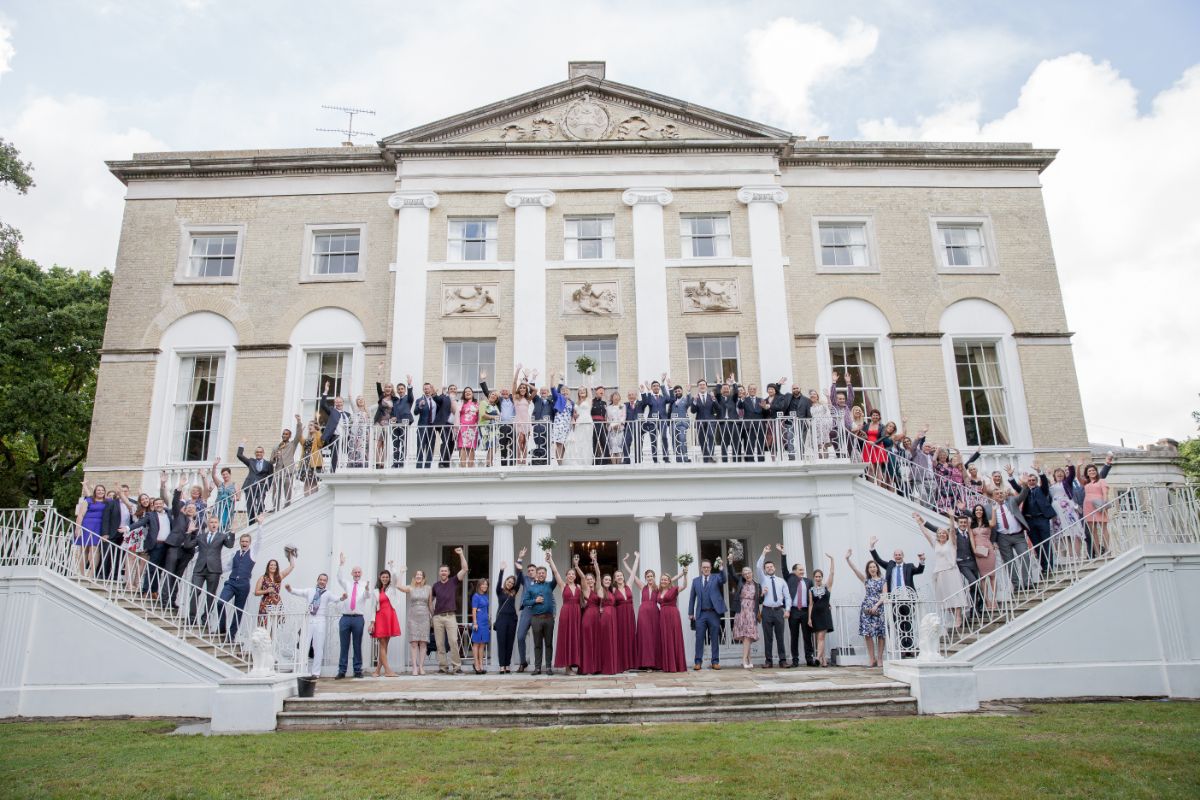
[(982, 550)]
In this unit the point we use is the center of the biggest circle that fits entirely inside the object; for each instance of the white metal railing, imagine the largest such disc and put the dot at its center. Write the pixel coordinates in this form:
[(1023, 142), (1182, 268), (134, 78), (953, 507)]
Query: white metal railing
[(1066, 557), (584, 443), (919, 484), (41, 537)]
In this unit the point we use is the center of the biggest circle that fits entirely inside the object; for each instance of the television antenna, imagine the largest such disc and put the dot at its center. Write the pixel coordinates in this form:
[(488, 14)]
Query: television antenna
[(348, 131)]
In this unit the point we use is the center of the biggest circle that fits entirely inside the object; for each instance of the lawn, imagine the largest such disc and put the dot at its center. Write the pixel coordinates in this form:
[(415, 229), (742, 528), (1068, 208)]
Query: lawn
[(1127, 750)]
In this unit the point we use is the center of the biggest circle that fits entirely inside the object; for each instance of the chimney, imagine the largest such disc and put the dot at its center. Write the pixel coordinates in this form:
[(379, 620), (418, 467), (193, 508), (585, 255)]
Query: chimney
[(822, 138), (585, 69)]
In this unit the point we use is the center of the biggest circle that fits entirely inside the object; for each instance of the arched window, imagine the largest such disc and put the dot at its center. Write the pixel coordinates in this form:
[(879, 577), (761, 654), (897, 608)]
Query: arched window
[(327, 351), (852, 339), (987, 397), (193, 390)]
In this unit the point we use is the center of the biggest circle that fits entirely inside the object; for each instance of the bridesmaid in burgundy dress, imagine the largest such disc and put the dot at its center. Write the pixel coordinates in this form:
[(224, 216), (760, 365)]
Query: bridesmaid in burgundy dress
[(626, 623), (609, 660), (647, 646), (567, 649), (671, 654), (590, 628)]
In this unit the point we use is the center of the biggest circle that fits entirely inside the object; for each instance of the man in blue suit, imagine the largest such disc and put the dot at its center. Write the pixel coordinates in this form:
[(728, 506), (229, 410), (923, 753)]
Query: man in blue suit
[(425, 409), (543, 416), (334, 412), (707, 410), (658, 408), (1038, 512), (442, 422), (677, 413), (706, 608)]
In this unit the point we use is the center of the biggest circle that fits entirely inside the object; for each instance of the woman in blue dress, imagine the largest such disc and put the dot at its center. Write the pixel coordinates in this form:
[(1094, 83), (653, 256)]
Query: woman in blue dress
[(89, 517), (481, 632), (227, 496), (870, 614)]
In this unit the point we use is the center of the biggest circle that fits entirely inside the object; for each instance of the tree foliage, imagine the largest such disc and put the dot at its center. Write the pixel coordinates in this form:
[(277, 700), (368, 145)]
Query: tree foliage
[(52, 322), (15, 173)]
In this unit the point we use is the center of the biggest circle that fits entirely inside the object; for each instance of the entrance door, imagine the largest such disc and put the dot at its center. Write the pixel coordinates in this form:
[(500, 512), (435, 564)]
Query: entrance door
[(710, 549), (607, 554)]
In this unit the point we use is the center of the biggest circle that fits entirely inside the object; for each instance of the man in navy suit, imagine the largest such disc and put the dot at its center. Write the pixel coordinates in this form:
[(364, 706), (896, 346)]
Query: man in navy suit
[(633, 440), (677, 414), (728, 427), (334, 412), (425, 409), (1038, 511), (258, 479), (704, 405), (543, 414), (753, 431), (706, 608), (899, 575), (657, 406)]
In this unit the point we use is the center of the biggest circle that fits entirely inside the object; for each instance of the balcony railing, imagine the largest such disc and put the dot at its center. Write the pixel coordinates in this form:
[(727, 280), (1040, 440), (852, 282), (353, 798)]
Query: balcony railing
[(584, 443)]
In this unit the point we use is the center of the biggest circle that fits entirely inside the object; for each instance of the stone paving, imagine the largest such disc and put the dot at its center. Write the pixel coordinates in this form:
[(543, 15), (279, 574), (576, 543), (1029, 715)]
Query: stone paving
[(630, 683)]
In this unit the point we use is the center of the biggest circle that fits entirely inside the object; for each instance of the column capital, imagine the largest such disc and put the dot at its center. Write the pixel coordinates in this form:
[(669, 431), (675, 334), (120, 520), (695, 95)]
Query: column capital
[(529, 197), (396, 522), (414, 199), (655, 518), (540, 519), (632, 197), (688, 517), (792, 514), (502, 519), (762, 194)]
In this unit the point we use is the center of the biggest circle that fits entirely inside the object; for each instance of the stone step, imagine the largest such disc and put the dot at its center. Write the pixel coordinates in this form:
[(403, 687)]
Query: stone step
[(663, 698), (468, 716)]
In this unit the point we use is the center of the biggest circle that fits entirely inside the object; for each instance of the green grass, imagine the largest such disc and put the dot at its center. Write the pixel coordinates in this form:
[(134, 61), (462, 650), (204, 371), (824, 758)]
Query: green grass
[(1127, 750)]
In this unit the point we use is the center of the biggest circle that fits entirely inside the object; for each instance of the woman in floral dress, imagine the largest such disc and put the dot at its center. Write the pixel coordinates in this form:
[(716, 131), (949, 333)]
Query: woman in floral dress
[(870, 614), (467, 411), (745, 621), (360, 430)]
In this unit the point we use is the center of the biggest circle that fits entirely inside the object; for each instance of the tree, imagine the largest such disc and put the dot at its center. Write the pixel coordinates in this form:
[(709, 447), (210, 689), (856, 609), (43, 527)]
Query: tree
[(52, 323), (15, 173)]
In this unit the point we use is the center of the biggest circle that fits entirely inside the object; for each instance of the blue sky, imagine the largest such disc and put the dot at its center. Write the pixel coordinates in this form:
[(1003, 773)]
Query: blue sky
[(1116, 86)]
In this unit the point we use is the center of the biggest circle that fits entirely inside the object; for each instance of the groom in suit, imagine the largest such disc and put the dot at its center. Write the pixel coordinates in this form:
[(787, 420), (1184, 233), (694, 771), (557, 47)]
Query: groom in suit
[(899, 575), (706, 608), (208, 569), (258, 473)]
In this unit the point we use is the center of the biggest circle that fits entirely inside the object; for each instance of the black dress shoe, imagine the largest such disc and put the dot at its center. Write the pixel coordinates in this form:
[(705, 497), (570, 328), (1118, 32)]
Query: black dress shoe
[(341, 676), (795, 664), (537, 671), (549, 671), (522, 668), (769, 665), (358, 675)]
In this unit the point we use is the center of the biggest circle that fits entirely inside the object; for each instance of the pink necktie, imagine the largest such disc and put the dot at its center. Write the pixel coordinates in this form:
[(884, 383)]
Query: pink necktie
[(354, 597)]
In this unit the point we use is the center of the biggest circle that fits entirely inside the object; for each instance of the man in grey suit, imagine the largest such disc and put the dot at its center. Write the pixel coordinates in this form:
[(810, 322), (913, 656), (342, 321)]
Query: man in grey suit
[(258, 471), (207, 572), (1010, 525)]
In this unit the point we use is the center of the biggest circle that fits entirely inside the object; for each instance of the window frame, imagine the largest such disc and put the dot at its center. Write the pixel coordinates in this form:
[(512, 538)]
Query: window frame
[(860, 391), (607, 238), (347, 374), (570, 373), (455, 240), (986, 235), (308, 256), (687, 237), (218, 403), (474, 384), (867, 222), (737, 346), (187, 233), (997, 345)]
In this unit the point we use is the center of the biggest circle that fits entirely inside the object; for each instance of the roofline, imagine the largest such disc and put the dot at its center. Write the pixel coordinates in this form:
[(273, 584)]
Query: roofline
[(216, 164)]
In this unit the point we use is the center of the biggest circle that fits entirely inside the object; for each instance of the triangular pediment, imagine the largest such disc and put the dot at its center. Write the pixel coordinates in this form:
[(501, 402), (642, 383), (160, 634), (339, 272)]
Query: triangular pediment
[(587, 110)]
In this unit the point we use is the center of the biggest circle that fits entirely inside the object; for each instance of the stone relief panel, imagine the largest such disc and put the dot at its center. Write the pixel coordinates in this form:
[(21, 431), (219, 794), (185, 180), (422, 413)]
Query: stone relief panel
[(589, 119), (602, 299), (470, 300), (703, 296)]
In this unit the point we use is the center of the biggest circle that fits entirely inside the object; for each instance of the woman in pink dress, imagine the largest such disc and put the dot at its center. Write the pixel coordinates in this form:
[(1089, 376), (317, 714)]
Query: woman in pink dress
[(646, 645), (467, 411), (1095, 515), (522, 398), (672, 657), (589, 626), (569, 638), (626, 622)]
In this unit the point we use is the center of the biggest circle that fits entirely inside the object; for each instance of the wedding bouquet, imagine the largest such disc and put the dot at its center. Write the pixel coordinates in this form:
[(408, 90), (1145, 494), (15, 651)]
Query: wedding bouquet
[(685, 559), (546, 543)]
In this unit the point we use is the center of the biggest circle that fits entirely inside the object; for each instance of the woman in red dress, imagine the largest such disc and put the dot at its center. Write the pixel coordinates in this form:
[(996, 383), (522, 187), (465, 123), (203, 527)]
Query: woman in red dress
[(647, 646), (626, 623), (567, 649), (671, 655), (386, 624), (874, 455), (609, 660), (590, 627)]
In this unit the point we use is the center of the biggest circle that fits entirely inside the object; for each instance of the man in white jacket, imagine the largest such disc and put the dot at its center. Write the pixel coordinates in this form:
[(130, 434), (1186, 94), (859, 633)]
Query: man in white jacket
[(318, 599)]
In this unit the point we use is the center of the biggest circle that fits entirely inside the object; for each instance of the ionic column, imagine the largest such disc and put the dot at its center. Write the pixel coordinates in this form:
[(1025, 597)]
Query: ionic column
[(541, 528), (395, 555), (686, 541), (529, 276), (408, 296), (648, 542), (793, 537), (650, 280), (770, 290)]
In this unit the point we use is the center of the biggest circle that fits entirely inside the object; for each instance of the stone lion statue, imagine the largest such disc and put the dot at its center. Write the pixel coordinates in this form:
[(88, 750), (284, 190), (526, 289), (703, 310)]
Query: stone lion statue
[(930, 633), (262, 650)]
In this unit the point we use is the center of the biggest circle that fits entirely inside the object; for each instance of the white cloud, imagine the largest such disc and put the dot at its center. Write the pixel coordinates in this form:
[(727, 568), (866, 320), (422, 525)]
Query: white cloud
[(73, 214), (1125, 216), (787, 59), (7, 51)]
